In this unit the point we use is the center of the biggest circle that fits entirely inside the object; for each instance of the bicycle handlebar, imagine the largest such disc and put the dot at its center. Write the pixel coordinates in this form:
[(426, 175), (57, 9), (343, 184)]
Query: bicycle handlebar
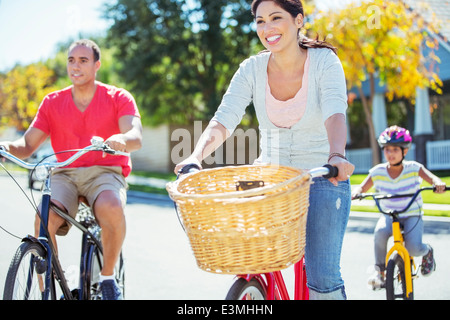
[(378, 196), (327, 171), (97, 144), (189, 168)]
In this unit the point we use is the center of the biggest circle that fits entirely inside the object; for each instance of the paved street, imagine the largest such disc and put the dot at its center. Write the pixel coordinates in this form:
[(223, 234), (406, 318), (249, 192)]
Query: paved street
[(160, 265)]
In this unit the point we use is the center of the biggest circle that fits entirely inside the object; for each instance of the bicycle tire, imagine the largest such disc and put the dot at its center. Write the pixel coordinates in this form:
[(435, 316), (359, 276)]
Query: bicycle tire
[(92, 275), (396, 280), (246, 290), (17, 283)]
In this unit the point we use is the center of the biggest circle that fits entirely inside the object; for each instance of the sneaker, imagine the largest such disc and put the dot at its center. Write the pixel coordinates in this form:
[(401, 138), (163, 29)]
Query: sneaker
[(428, 263), (376, 281), (110, 290)]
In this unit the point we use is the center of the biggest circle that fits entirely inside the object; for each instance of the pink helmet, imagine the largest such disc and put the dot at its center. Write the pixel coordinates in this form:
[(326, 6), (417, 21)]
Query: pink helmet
[(395, 136)]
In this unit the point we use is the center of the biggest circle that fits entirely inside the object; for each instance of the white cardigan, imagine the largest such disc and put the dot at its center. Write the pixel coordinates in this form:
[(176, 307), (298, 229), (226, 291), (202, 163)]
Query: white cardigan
[(305, 145)]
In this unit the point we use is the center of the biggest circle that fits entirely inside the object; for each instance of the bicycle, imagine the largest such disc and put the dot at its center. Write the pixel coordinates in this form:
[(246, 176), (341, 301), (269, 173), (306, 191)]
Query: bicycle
[(35, 268), (401, 269), (267, 284)]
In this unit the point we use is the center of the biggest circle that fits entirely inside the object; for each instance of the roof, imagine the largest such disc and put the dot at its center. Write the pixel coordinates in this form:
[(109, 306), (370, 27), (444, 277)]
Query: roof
[(434, 9)]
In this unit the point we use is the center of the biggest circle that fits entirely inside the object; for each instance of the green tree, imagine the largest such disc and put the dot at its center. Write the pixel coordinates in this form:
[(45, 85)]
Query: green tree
[(381, 40), (178, 56)]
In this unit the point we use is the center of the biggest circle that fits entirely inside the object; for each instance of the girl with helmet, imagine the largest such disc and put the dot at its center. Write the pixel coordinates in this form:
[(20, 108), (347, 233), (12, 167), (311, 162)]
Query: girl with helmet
[(399, 176)]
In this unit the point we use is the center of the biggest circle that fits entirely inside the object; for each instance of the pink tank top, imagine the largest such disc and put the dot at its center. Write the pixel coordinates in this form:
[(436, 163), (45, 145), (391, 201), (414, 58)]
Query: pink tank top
[(284, 114)]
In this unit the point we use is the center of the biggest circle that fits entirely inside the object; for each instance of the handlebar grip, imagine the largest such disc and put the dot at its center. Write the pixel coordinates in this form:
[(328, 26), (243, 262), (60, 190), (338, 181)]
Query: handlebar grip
[(333, 171), (2, 148), (192, 167)]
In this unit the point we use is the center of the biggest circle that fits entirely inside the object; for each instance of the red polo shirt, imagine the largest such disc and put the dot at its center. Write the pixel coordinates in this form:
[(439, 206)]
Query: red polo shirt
[(69, 128)]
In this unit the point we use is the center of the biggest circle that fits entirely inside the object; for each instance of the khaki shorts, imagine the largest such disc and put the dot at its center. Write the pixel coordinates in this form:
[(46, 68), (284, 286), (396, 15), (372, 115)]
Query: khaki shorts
[(68, 184)]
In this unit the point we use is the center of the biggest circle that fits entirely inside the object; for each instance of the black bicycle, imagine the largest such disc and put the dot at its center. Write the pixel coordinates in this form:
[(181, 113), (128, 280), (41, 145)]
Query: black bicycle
[(35, 272)]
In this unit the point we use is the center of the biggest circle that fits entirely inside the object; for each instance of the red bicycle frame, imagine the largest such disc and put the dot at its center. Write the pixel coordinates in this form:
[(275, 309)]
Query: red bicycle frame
[(275, 286)]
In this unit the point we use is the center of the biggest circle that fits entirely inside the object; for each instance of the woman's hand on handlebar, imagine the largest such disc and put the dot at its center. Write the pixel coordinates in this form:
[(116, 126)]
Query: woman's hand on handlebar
[(345, 169)]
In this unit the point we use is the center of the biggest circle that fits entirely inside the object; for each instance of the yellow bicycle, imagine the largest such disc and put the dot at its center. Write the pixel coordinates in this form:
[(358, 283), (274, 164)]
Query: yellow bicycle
[(400, 267)]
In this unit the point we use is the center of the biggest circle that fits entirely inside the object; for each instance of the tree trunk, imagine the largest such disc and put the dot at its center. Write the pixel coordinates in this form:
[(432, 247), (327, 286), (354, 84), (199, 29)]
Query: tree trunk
[(367, 107)]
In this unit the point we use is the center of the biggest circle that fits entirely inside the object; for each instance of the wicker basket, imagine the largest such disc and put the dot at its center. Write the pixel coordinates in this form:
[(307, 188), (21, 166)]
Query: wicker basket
[(238, 232)]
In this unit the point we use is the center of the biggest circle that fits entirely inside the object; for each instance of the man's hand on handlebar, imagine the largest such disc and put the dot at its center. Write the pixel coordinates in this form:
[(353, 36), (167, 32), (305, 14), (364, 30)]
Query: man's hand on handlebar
[(115, 142)]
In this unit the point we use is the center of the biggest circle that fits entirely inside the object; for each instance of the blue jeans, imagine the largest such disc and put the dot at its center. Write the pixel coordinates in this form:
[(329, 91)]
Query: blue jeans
[(329, 209)]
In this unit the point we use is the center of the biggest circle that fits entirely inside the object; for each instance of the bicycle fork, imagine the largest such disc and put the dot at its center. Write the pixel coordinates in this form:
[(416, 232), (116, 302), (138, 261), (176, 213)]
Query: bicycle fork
[(403, 252), (53, 266), (276, 287)]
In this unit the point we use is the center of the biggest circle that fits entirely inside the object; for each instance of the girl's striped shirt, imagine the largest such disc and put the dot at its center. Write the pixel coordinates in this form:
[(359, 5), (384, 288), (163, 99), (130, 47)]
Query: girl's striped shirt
[(406, 183)]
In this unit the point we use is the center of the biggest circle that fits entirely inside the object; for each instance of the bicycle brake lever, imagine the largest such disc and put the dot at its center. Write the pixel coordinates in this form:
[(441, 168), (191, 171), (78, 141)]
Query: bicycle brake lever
[(108, 149)]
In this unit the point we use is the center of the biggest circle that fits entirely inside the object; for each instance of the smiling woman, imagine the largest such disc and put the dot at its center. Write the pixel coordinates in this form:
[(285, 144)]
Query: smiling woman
[(297, 14), (297, 87), (274, 26)]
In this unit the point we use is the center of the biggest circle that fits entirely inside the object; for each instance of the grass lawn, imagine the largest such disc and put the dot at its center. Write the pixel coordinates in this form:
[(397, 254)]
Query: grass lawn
[(427, 196)]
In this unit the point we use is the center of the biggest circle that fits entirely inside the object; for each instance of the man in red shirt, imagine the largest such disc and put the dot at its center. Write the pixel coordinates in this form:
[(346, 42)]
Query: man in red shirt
[(71, 117)]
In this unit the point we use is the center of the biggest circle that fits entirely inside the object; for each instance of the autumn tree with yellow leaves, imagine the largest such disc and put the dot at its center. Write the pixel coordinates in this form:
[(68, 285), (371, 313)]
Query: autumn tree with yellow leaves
[(21, 91), (381, 41)]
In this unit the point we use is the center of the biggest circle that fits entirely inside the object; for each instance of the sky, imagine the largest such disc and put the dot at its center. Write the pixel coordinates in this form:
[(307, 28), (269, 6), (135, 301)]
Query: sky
[(31, 29)]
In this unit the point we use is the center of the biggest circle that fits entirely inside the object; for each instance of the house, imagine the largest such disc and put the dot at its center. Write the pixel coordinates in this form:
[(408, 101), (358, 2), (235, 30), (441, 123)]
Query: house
[(432, 112)]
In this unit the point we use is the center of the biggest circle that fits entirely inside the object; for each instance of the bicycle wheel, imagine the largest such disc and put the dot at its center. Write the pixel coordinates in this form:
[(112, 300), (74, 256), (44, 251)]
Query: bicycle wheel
[(92, 276), (27, 273), (396, 280), (246, 290)]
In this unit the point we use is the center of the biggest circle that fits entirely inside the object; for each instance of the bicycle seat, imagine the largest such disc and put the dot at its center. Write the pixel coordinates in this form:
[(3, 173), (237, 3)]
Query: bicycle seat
[(83, 199)]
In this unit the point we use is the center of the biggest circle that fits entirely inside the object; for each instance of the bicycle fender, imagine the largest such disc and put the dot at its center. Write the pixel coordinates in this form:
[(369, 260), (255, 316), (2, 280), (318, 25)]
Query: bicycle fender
[(263, 279), (30, 238), (249, 277)]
